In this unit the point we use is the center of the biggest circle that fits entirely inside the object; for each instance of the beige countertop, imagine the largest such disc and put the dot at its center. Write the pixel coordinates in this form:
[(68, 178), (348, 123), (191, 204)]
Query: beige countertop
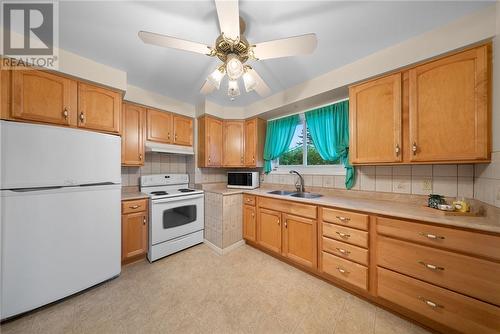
[(374, 203), (221, 188), (131, 195)]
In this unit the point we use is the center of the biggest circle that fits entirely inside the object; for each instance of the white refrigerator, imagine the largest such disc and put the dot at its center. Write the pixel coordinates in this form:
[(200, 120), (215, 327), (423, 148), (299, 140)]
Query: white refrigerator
[(60, 213)]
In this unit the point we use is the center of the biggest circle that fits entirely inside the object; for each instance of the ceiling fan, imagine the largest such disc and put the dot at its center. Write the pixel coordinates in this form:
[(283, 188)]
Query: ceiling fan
[(232, 48)]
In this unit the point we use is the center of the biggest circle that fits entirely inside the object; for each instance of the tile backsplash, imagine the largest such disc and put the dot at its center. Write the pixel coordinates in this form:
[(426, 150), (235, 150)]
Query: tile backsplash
[(481, 181), (448, 180)]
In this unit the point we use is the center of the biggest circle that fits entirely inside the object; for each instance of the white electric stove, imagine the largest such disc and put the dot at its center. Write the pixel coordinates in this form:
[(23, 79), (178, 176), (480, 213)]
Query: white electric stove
[(176, 214)]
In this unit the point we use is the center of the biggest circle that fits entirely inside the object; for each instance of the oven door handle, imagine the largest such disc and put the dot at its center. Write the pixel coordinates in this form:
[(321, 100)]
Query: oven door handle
[(176, 199)]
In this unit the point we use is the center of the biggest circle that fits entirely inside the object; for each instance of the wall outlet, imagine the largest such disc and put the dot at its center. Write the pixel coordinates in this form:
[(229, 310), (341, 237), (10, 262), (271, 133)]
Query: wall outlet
[(427, 184)]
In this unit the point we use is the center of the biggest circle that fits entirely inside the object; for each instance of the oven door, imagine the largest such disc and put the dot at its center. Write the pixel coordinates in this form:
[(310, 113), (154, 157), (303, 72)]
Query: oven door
[(175, 217)]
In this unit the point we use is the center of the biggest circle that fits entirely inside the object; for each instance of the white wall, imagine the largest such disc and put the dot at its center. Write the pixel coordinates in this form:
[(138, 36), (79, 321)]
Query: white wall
[(151, 99)]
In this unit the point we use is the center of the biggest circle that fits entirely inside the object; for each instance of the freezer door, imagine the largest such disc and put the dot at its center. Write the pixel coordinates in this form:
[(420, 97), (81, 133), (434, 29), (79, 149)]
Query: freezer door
[(56, 243), (34, 155)]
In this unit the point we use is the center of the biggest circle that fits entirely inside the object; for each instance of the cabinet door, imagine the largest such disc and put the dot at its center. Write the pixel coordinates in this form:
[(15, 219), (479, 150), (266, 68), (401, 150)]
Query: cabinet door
[(250, 142), (159, 126), (43, 97), (183, 130), (375, 121), (449, 108), (249, 223), (133, 135), (233, 143), (269, 229), (134, 235), (299, 240), (213, 142), (98, 108)]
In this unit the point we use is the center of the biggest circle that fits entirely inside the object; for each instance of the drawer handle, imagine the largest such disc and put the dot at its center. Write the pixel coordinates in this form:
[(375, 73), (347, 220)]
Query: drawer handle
[(343, 251), (342, 270), (430, 303), (343, 219), (134, 206), (430, 266), (343, 235), (431, 236)]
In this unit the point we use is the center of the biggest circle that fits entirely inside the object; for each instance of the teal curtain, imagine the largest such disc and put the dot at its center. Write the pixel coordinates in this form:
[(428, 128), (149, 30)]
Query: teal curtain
[(279, 135), (329, 129)]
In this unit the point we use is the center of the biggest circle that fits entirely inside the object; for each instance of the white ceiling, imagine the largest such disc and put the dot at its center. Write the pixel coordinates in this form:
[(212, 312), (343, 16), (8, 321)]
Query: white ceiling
[(106, 31)]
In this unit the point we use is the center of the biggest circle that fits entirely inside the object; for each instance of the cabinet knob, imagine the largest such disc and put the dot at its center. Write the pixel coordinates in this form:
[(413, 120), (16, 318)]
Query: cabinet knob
[(430, 303), (279, 222), (253, 214), (343, 219), (286, 225), (342, 270), (343, 235), (134, 206), (82, 116), (430, 266), (65, 113), (431, 236), (397, 149), (144, 220), (343, 251), (209, 159), (414, 148), (168, 135)]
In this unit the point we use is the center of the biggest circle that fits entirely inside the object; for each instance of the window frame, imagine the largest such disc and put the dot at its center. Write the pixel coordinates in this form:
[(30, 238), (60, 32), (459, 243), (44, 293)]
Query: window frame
[(332, 169)]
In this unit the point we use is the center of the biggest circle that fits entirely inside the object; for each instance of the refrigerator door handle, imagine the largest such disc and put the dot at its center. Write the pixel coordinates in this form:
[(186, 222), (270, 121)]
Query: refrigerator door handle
[(24, 190)]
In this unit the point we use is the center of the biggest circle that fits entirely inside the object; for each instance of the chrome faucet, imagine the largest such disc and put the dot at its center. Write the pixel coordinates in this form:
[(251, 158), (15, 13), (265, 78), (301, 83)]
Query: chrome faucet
[(300, 184)]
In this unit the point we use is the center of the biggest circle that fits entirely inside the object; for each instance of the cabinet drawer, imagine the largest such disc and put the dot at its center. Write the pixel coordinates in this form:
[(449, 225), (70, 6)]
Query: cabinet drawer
[(350, 219), (471, 276), (304, 210), (462, 241), (248, 199), (347, 271), (345, 234), (451, 309), (135, 206), (345, 251)]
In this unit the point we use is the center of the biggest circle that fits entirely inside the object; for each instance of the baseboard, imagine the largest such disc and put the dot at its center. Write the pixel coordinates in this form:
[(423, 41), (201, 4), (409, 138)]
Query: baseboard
[(222, 251)]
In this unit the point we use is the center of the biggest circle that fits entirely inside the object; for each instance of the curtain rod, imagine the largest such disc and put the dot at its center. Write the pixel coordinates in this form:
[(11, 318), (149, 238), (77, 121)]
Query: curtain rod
[(304, 111)]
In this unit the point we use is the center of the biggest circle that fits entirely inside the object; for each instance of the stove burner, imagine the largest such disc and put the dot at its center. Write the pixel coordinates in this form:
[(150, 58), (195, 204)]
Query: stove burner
[(158, 193), (185, 190)]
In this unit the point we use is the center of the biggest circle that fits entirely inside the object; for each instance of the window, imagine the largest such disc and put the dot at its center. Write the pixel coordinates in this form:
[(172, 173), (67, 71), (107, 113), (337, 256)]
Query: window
[(302, 154)]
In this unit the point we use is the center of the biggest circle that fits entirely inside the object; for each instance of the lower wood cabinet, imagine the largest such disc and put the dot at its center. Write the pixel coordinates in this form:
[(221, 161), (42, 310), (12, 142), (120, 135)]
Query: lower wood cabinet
[(134, 230), (249, 223), (444, 278), (269, 230), (458, 312)]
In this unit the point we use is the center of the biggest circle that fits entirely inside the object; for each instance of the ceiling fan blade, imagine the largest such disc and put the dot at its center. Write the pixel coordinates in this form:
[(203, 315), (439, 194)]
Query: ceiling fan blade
[(172, 42), (291, 46), (207, 88), (229, 18), (261, 87)]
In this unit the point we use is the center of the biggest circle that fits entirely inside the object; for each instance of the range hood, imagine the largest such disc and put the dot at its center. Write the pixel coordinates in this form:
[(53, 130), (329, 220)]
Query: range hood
[(168, 148)]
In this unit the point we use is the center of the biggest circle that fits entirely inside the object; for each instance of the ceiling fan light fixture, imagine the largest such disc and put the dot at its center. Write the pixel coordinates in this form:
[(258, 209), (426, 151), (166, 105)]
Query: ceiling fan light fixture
[(249, 81), (234, 66), (216, 76), (233, 90)]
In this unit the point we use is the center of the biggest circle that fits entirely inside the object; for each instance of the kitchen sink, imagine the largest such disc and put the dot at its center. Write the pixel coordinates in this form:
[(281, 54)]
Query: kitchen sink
[(280, 192), (306, 195)]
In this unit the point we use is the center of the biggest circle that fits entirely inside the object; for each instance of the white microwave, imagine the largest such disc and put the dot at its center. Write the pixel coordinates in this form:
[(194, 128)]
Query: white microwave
[(244, 180)]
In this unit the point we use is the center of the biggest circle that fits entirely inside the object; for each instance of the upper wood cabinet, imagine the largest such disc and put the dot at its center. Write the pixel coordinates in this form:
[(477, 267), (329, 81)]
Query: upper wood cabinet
[(209, 142), (240, 143), (375, 121), (43, 97), (449, 108), (431, 113), (98, 108), (183, 130), (233, 143), (255, 136), (133, 133), (159, 126)]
